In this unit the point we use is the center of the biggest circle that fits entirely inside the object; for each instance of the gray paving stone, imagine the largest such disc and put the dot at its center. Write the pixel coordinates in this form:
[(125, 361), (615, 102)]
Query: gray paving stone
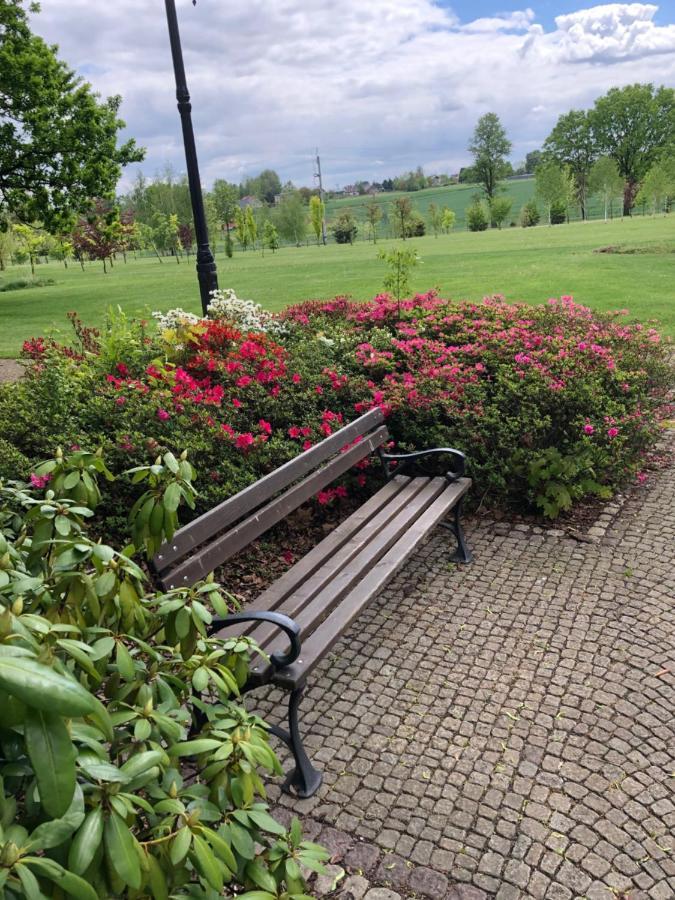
[(508, 724)]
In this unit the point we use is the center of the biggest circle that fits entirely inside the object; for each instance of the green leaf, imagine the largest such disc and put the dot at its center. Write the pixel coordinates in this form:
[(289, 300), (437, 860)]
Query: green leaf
[(40, 687), (260, 876), (69, 882), (180, 845), (141, 762), (52, 755), (242, 841), (171, 463), (54, 833), (29, 883), (194, 748), (207, 863), (125, 663), (71, 479), (258, 895), (221, 848), (86, 842), (296, 832), (171, 498), (121, 849), (265, 821), (156, 880), (142, 729)]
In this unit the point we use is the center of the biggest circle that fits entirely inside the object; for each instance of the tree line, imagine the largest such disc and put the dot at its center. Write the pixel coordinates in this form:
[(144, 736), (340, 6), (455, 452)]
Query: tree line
[(623, 145)]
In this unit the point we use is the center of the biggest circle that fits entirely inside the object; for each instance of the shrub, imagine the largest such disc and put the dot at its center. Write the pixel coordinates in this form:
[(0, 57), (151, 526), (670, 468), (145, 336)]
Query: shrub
[(558, 212), (345, 228), (476, 217), (506, 383), (128, 768), (499, 211), (529, 214)]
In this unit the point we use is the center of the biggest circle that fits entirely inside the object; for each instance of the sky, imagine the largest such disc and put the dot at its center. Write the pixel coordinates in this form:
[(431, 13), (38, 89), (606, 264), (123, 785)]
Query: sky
[(379, 86)]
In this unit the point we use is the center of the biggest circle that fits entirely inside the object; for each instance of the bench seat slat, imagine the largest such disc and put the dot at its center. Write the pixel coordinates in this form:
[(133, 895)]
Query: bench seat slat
[(229, 511), (326, 584), (305, 569), (324, 637), (226, 545)]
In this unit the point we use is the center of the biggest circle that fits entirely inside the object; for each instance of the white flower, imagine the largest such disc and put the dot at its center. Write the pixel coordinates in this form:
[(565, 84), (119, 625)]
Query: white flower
[(245, 314), (173, 318)]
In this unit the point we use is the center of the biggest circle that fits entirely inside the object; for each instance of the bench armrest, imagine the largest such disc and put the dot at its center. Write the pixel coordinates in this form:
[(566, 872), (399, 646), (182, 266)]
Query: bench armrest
[(286, 624), (406, 460)]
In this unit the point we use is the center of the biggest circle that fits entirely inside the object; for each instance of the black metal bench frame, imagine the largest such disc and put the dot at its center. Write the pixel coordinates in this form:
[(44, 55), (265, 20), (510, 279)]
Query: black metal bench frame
[(382, 533)]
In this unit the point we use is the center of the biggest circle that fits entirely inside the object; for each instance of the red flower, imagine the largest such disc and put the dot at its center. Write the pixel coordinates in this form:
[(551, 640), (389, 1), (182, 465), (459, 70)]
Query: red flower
[(244, 441), (294, 431), (265, 426), (163, 415)]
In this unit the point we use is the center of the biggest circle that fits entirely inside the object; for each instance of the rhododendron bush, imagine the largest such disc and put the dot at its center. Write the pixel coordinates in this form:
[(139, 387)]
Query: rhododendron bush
[(550, 403)]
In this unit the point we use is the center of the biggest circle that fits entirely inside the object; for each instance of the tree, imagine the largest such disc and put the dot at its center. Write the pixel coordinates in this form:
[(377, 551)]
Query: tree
[(490, 147), (554, 186), (241, 228), (251, 226), (435, 219), (61, 248), (98, 234), (605, 180), (373, 216), (572, 144), (448, 219), (476, 217), (635, 125), (468, 175), (399, 262), (499, 210), (658, 188), (345, 228), (317, 211), (225, 198), (270, 236), (265, 186), (402, 213), (529, 214), (291, 217), (31, 241), (532, 160), (186, 236), (58, 140), (7, 243)]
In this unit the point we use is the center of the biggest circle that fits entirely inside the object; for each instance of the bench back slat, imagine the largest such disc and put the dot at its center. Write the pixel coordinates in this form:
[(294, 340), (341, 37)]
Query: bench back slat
[(198, 564), (215, 520)]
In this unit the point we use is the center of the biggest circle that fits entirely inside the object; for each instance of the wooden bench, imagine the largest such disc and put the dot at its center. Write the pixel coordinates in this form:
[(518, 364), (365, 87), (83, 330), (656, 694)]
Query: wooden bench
[(299, 617)]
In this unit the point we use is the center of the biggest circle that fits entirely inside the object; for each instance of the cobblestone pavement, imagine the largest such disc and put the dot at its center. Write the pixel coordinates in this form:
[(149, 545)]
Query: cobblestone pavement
[(506, 728), (10, 370)]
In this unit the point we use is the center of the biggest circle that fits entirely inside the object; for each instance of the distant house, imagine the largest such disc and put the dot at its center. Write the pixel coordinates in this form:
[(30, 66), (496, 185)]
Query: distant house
[(350, 190), (251, 201)]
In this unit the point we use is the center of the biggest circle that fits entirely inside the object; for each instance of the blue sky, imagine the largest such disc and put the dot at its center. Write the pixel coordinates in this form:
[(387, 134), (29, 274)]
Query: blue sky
[(379, 87)]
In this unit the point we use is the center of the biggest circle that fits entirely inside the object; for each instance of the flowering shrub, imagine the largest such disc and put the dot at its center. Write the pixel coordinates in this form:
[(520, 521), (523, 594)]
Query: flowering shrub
[(508, 384), (128, 768), (245, 314)]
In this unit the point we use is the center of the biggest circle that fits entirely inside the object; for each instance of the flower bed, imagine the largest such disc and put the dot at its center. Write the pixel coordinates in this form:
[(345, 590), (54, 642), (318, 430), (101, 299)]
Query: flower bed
[(551, 403)]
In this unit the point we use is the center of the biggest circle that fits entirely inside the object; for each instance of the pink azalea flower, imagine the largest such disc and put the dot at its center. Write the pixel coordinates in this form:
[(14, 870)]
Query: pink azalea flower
[(244, 441), (120, 401), (641, 477), (307, 445), (122, 369), (588, 428), (296, 378), (294, 431), (324, 497), (163, 415), (612, 432), (264, 426), (40, 481)]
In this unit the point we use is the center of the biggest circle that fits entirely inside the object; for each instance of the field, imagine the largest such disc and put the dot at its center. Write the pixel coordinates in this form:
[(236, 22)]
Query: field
[(456, 197), (523, 264)]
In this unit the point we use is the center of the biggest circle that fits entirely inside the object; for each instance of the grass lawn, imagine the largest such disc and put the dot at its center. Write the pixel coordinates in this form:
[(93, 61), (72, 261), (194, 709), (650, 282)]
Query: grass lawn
[(523, 264)]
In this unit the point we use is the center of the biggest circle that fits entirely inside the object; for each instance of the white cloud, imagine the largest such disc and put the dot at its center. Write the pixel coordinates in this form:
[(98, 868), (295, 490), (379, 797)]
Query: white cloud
[(379, 87), (607, 34)]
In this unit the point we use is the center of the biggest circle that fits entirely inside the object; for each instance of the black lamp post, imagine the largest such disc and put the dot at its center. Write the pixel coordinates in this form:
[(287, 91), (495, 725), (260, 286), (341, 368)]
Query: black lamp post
[(206, 264)]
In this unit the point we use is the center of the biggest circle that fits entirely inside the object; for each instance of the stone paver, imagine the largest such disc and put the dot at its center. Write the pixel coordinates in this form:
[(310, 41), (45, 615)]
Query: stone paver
[(507, 728), (10, 370)]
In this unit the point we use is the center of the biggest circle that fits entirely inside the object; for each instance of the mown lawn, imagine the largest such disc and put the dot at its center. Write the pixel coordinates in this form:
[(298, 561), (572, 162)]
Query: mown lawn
[(523, 264)]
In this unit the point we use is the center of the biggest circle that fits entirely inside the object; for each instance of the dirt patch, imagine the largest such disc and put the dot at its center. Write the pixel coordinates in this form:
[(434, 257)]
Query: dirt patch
[(10, 370), (637, 249)]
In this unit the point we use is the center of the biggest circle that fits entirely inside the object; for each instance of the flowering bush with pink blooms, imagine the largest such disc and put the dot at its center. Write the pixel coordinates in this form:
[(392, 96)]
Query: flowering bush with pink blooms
[(550, 403)]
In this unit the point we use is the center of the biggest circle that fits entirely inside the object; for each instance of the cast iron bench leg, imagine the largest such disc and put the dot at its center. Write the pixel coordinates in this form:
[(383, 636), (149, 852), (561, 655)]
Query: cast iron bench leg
[(462, 554), (304, 780)]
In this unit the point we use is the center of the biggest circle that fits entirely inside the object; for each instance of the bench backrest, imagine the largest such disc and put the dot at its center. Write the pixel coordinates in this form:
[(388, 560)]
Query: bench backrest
[(218, 534)]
